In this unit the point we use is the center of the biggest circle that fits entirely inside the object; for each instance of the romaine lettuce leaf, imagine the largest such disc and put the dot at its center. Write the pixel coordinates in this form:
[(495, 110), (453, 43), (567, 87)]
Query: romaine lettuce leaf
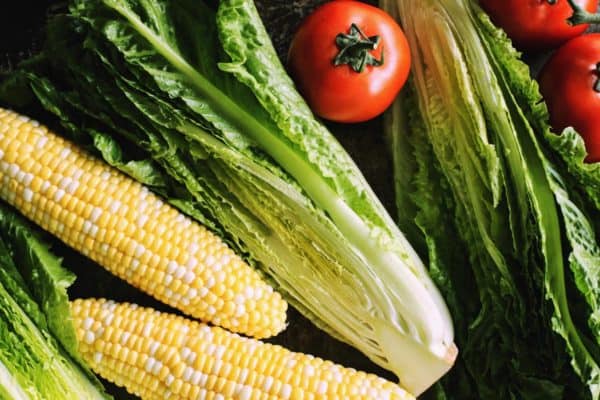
[(38, 347), (570, 147)]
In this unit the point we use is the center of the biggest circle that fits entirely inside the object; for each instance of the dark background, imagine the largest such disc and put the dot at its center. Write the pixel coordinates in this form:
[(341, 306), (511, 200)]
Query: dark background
[(21, 35)]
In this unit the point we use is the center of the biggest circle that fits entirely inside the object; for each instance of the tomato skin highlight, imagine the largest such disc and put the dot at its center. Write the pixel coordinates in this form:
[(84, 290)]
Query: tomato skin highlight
[(536, 25), (338, 93), (567, 83)]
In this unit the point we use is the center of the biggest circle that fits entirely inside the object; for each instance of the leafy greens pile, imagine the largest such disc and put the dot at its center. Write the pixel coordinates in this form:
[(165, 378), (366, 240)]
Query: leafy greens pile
[(38, 347), (197, 105), (510, 230)]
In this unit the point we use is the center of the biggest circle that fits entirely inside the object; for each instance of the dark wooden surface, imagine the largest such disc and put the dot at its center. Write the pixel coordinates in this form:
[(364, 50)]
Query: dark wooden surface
[(21, 35)]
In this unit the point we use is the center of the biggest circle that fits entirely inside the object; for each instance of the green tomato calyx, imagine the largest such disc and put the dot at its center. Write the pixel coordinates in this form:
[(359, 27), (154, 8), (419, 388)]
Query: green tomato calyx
[(355, 49), (581, 16)]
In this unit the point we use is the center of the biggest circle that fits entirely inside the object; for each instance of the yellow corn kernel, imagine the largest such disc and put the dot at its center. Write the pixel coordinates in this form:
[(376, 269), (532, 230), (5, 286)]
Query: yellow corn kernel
[(208, 362), (105, 215)]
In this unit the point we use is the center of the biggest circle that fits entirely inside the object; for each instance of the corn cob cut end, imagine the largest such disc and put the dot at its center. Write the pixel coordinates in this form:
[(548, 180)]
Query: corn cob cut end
[(131, 232), (162, 356)]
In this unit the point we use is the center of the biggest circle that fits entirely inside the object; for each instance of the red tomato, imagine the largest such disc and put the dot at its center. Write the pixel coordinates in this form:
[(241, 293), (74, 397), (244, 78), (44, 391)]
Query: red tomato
[(536, 24), (340, 93), (570, 85)]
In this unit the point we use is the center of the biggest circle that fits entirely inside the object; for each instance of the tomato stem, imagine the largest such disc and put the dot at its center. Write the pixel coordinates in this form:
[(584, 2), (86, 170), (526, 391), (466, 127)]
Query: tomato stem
[(355, 48), (581, 16)]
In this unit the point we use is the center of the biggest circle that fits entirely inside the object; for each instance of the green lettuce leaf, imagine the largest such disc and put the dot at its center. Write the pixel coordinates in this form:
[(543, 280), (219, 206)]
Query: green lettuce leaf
[(571, 149), (45, 276), (39, 357)]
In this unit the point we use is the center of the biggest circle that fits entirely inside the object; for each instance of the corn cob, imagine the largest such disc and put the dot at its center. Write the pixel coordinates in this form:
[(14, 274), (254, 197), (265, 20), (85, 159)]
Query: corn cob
[(122, 226), (156, 355)]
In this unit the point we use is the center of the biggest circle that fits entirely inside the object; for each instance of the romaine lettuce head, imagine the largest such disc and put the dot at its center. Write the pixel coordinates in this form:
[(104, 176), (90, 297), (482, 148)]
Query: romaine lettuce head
[(472, 125), (197, 105)]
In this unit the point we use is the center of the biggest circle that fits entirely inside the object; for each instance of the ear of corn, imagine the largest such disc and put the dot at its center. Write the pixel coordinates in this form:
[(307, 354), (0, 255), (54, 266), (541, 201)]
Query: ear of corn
[(163, 356), (122, 226)]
